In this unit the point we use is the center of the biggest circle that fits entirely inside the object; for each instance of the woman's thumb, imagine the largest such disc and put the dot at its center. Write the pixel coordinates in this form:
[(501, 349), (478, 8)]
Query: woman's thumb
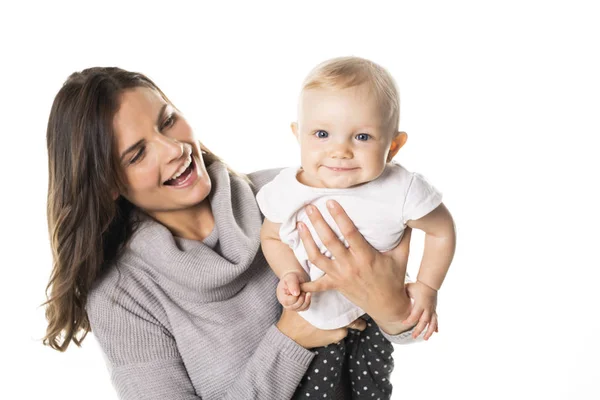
[(320, 285)]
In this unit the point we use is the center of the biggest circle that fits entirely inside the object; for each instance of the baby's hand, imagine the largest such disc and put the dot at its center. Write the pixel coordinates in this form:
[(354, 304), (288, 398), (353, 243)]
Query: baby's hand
[(289, 294), (423, 310)]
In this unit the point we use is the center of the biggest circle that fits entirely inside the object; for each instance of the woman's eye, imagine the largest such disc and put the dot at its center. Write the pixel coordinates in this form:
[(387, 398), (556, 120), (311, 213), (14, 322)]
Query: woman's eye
[(321, 134), (363, 136), (137, 156), (169, 121)]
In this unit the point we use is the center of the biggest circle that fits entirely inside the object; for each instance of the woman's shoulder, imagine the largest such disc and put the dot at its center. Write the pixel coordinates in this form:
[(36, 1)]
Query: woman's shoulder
[(102, 302), (262, 177), (121, 287), (105, 292), (126, 319)]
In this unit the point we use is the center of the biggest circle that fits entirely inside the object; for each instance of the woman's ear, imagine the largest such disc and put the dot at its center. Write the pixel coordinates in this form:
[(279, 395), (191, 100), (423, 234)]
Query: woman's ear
[(397, 143), (115, 195)]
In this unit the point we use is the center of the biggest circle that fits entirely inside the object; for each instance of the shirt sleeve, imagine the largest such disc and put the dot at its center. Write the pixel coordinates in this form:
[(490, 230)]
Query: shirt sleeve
[(421, 198), (144, 363), (271, 201)]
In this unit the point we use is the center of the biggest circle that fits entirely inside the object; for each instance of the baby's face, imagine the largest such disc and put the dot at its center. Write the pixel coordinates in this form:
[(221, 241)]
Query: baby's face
[(344, 140)]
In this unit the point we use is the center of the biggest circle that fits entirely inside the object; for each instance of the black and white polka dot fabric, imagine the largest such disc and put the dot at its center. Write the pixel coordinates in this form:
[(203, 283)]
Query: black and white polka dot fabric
[(366, 355)]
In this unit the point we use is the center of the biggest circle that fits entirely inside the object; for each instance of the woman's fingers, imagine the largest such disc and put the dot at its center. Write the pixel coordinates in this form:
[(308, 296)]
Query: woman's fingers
[(313, 252), (355, 240), (320, 285), (358, 324), (326, 234)]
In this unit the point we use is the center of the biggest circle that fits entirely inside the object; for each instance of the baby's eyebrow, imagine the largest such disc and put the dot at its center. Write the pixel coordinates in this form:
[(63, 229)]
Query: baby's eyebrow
[(320, 124)]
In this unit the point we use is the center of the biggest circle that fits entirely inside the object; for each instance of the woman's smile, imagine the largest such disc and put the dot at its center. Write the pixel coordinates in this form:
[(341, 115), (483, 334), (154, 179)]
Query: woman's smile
[(186, 178)]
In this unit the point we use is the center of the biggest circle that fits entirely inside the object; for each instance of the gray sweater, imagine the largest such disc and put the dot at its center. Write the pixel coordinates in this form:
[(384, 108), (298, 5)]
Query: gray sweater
[(183, 319)]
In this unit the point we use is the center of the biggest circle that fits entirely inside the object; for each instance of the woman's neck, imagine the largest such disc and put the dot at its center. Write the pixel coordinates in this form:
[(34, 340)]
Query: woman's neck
[(195, 223)]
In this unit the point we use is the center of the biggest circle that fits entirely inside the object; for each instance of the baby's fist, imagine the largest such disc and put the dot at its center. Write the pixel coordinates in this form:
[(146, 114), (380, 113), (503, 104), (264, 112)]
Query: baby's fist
[(289, 294)]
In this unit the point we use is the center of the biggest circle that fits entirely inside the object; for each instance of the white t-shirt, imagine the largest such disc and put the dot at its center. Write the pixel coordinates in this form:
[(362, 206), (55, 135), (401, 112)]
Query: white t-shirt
[(379, 209)]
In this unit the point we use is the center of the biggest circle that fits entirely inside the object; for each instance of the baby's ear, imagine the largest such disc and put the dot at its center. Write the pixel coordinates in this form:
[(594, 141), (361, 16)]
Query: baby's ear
[(294, 127), (397, 142)]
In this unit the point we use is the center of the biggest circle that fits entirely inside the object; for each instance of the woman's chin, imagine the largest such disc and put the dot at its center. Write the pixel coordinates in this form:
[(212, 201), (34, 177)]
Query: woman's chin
[(196, 194)]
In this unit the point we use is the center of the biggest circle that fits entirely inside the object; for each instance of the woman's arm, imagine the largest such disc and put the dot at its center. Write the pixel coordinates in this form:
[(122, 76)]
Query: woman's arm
[(144, 361)]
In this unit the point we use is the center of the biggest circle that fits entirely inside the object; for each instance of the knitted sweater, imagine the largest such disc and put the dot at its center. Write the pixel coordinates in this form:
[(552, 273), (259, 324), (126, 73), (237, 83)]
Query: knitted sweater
[(184, 319)]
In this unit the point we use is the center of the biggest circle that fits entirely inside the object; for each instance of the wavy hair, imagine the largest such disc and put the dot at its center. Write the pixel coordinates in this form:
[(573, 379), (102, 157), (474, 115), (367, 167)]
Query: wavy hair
[(88, 228)]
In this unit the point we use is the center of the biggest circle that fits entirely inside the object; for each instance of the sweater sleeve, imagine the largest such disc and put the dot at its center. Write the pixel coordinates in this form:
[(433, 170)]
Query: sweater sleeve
[(261, 178), (144, 363)]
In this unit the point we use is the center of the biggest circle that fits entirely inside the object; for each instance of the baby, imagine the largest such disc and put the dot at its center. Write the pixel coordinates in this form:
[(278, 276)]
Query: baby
[(347, 128)]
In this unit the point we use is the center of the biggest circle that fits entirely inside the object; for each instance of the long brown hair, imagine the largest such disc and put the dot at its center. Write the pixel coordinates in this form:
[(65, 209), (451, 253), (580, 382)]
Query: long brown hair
[(88, 228)]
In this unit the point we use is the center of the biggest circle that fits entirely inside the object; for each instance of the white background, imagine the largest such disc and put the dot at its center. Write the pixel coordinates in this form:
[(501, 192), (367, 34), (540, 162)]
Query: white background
[(501, 103)]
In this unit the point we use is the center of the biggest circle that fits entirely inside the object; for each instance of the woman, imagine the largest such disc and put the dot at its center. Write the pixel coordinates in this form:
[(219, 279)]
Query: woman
[(156, 248)]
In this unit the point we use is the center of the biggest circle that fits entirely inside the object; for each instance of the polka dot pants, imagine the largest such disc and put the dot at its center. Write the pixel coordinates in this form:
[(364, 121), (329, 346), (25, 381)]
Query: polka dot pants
[(366, 355)]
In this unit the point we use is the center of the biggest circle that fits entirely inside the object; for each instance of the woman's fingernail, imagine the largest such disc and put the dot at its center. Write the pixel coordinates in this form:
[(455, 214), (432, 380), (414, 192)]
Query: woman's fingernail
[(309, 210), (330, 204), (300, 227)]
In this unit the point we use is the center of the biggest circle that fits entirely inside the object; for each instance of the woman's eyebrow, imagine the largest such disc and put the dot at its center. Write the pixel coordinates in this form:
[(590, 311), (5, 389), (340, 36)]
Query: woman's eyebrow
[(160, 114), (131, 148)]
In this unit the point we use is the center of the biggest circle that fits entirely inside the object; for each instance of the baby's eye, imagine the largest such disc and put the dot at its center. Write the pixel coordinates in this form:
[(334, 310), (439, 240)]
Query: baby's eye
[(363, 136), (321, 134)]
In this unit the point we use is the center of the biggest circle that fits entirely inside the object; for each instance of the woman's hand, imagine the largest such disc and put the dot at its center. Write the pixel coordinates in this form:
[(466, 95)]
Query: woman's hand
[(306, 335), (372, 280)]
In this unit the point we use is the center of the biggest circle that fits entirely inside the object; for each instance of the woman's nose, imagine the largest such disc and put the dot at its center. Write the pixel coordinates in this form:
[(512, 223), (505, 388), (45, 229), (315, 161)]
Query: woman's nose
[(172, 148)]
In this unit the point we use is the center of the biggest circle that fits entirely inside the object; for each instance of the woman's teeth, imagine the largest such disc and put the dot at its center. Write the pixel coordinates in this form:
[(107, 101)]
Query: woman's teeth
[(183, 168)]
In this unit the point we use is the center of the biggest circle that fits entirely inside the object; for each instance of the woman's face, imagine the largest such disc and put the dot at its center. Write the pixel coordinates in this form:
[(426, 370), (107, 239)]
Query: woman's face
[(159, 156)]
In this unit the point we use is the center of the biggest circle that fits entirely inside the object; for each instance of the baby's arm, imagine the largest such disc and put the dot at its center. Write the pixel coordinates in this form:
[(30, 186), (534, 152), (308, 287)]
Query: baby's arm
[(284, 264), (440, 243)]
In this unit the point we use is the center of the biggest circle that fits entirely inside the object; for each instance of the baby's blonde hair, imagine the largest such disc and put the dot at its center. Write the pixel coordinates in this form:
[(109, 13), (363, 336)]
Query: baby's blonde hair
[(346, 72)]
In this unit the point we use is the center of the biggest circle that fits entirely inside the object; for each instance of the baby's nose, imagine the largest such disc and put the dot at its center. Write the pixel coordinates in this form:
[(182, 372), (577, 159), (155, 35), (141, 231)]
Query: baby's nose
[(341, 151)]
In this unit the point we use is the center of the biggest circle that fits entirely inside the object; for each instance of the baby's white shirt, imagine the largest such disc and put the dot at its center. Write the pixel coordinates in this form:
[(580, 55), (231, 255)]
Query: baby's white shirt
[(379, 209)]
